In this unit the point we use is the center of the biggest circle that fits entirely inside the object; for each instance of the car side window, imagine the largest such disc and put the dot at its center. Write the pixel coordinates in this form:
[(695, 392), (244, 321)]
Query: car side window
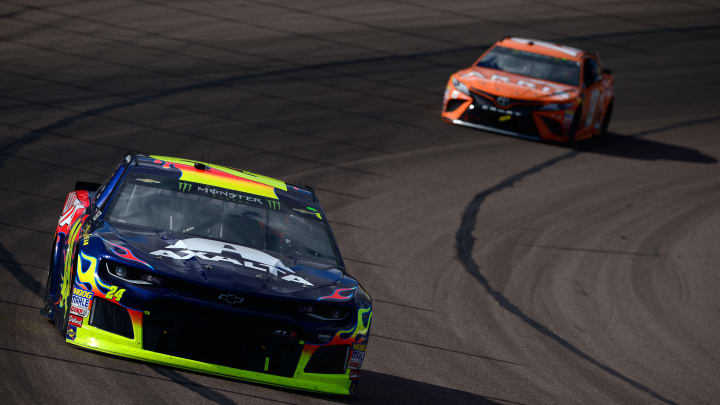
[(591, 72)]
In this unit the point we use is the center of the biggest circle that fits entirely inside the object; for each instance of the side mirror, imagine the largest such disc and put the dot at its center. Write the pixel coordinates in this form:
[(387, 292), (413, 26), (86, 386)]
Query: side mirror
[(607, 71)]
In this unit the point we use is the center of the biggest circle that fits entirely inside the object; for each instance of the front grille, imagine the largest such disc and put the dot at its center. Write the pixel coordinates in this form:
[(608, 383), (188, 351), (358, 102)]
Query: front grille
[(111, 317), (223, 338), (514, 120), (509, 102)]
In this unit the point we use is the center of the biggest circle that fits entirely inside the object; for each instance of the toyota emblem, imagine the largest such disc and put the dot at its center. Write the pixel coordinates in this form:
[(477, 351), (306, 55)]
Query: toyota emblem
[(503, 101)]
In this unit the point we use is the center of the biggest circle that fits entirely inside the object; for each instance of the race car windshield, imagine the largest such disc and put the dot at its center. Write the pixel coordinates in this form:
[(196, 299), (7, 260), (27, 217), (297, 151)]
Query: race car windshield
[(532, 65), (230, 216)]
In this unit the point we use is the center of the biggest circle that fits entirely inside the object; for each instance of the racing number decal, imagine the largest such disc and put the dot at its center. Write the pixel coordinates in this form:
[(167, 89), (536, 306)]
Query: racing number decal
[(115, 294)]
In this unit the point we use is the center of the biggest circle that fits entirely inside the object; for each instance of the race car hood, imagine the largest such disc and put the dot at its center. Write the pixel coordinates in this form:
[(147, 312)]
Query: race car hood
[(214, 263), (515, 86)]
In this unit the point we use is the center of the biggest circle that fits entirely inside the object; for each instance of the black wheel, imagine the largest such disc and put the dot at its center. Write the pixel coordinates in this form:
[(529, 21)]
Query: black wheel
[(606, 119), (574, 125), (47, 310)]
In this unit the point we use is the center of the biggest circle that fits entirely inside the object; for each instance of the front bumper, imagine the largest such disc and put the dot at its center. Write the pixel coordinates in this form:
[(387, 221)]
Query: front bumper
[(523, 119), (99, 340), (94, 338)]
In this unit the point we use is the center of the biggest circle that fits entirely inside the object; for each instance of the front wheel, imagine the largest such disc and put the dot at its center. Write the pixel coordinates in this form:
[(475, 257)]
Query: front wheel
[(47, 308), (606, 119)]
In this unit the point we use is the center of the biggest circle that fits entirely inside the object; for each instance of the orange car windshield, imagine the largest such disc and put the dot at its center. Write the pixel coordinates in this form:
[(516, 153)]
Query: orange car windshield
[(532, 65)]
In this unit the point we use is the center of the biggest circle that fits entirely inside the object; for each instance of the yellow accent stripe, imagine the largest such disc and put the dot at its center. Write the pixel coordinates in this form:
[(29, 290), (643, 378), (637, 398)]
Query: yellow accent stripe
[(243, 174)]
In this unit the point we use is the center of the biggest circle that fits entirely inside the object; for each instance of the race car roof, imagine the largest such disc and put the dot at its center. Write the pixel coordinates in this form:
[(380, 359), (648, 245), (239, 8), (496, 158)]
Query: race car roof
[(211, 174), (542, 47)]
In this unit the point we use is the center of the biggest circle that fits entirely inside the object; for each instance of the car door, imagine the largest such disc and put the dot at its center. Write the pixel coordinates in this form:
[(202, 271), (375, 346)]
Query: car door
[(592, 95)]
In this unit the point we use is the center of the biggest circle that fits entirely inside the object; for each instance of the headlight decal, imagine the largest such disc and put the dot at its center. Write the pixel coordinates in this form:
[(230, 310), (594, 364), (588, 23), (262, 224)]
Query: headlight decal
[(125, 253), (460, 86)]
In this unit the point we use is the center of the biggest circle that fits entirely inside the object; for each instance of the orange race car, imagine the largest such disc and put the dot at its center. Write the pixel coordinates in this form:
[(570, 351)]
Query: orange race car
[(532, 89)]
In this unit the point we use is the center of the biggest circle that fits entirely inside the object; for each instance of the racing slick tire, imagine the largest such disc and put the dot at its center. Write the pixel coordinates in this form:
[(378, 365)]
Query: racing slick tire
[(606, 119), (47, 311), (64, 317), (574, 126)]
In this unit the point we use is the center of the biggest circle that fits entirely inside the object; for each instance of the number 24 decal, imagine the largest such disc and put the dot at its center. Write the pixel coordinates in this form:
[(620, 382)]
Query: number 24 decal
[(115, 294)]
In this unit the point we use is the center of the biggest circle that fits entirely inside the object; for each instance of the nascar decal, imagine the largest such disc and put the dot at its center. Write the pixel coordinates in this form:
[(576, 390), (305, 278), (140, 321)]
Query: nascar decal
[(213, 250)]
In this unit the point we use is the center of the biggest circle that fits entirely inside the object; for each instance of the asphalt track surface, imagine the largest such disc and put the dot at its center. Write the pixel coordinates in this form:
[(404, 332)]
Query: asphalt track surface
[(502, 270)]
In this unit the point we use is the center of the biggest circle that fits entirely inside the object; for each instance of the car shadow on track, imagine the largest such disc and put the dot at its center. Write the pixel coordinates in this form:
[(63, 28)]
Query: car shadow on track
[(379, 388), (636, 147)]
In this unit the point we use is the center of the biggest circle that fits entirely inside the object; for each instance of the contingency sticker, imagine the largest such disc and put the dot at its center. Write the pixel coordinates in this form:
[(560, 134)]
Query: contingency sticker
[(75, 320), (71, 332), (356, 359), (81, 298), (81, 312)]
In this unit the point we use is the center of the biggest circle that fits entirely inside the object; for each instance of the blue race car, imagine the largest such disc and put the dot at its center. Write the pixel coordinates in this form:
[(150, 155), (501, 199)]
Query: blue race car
[(208, 268)]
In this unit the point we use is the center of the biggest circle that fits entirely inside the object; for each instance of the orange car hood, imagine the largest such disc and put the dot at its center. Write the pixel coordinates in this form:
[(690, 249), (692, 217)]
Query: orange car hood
[(515, 86)]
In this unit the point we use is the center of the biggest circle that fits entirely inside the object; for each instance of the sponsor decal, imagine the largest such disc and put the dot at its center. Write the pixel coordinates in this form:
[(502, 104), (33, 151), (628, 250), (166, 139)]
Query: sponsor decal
[(504, 118), (75, 320), (357, 356), (81, 312), (71, 332), (359, 347), (353, 365), (274, 205), (354, 374), (230, 195), (150, 181), (247, 258), (66, 285), (503, 101), (500, 110), (71, 208), (82, 293), (184, 187), (81, 298)]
